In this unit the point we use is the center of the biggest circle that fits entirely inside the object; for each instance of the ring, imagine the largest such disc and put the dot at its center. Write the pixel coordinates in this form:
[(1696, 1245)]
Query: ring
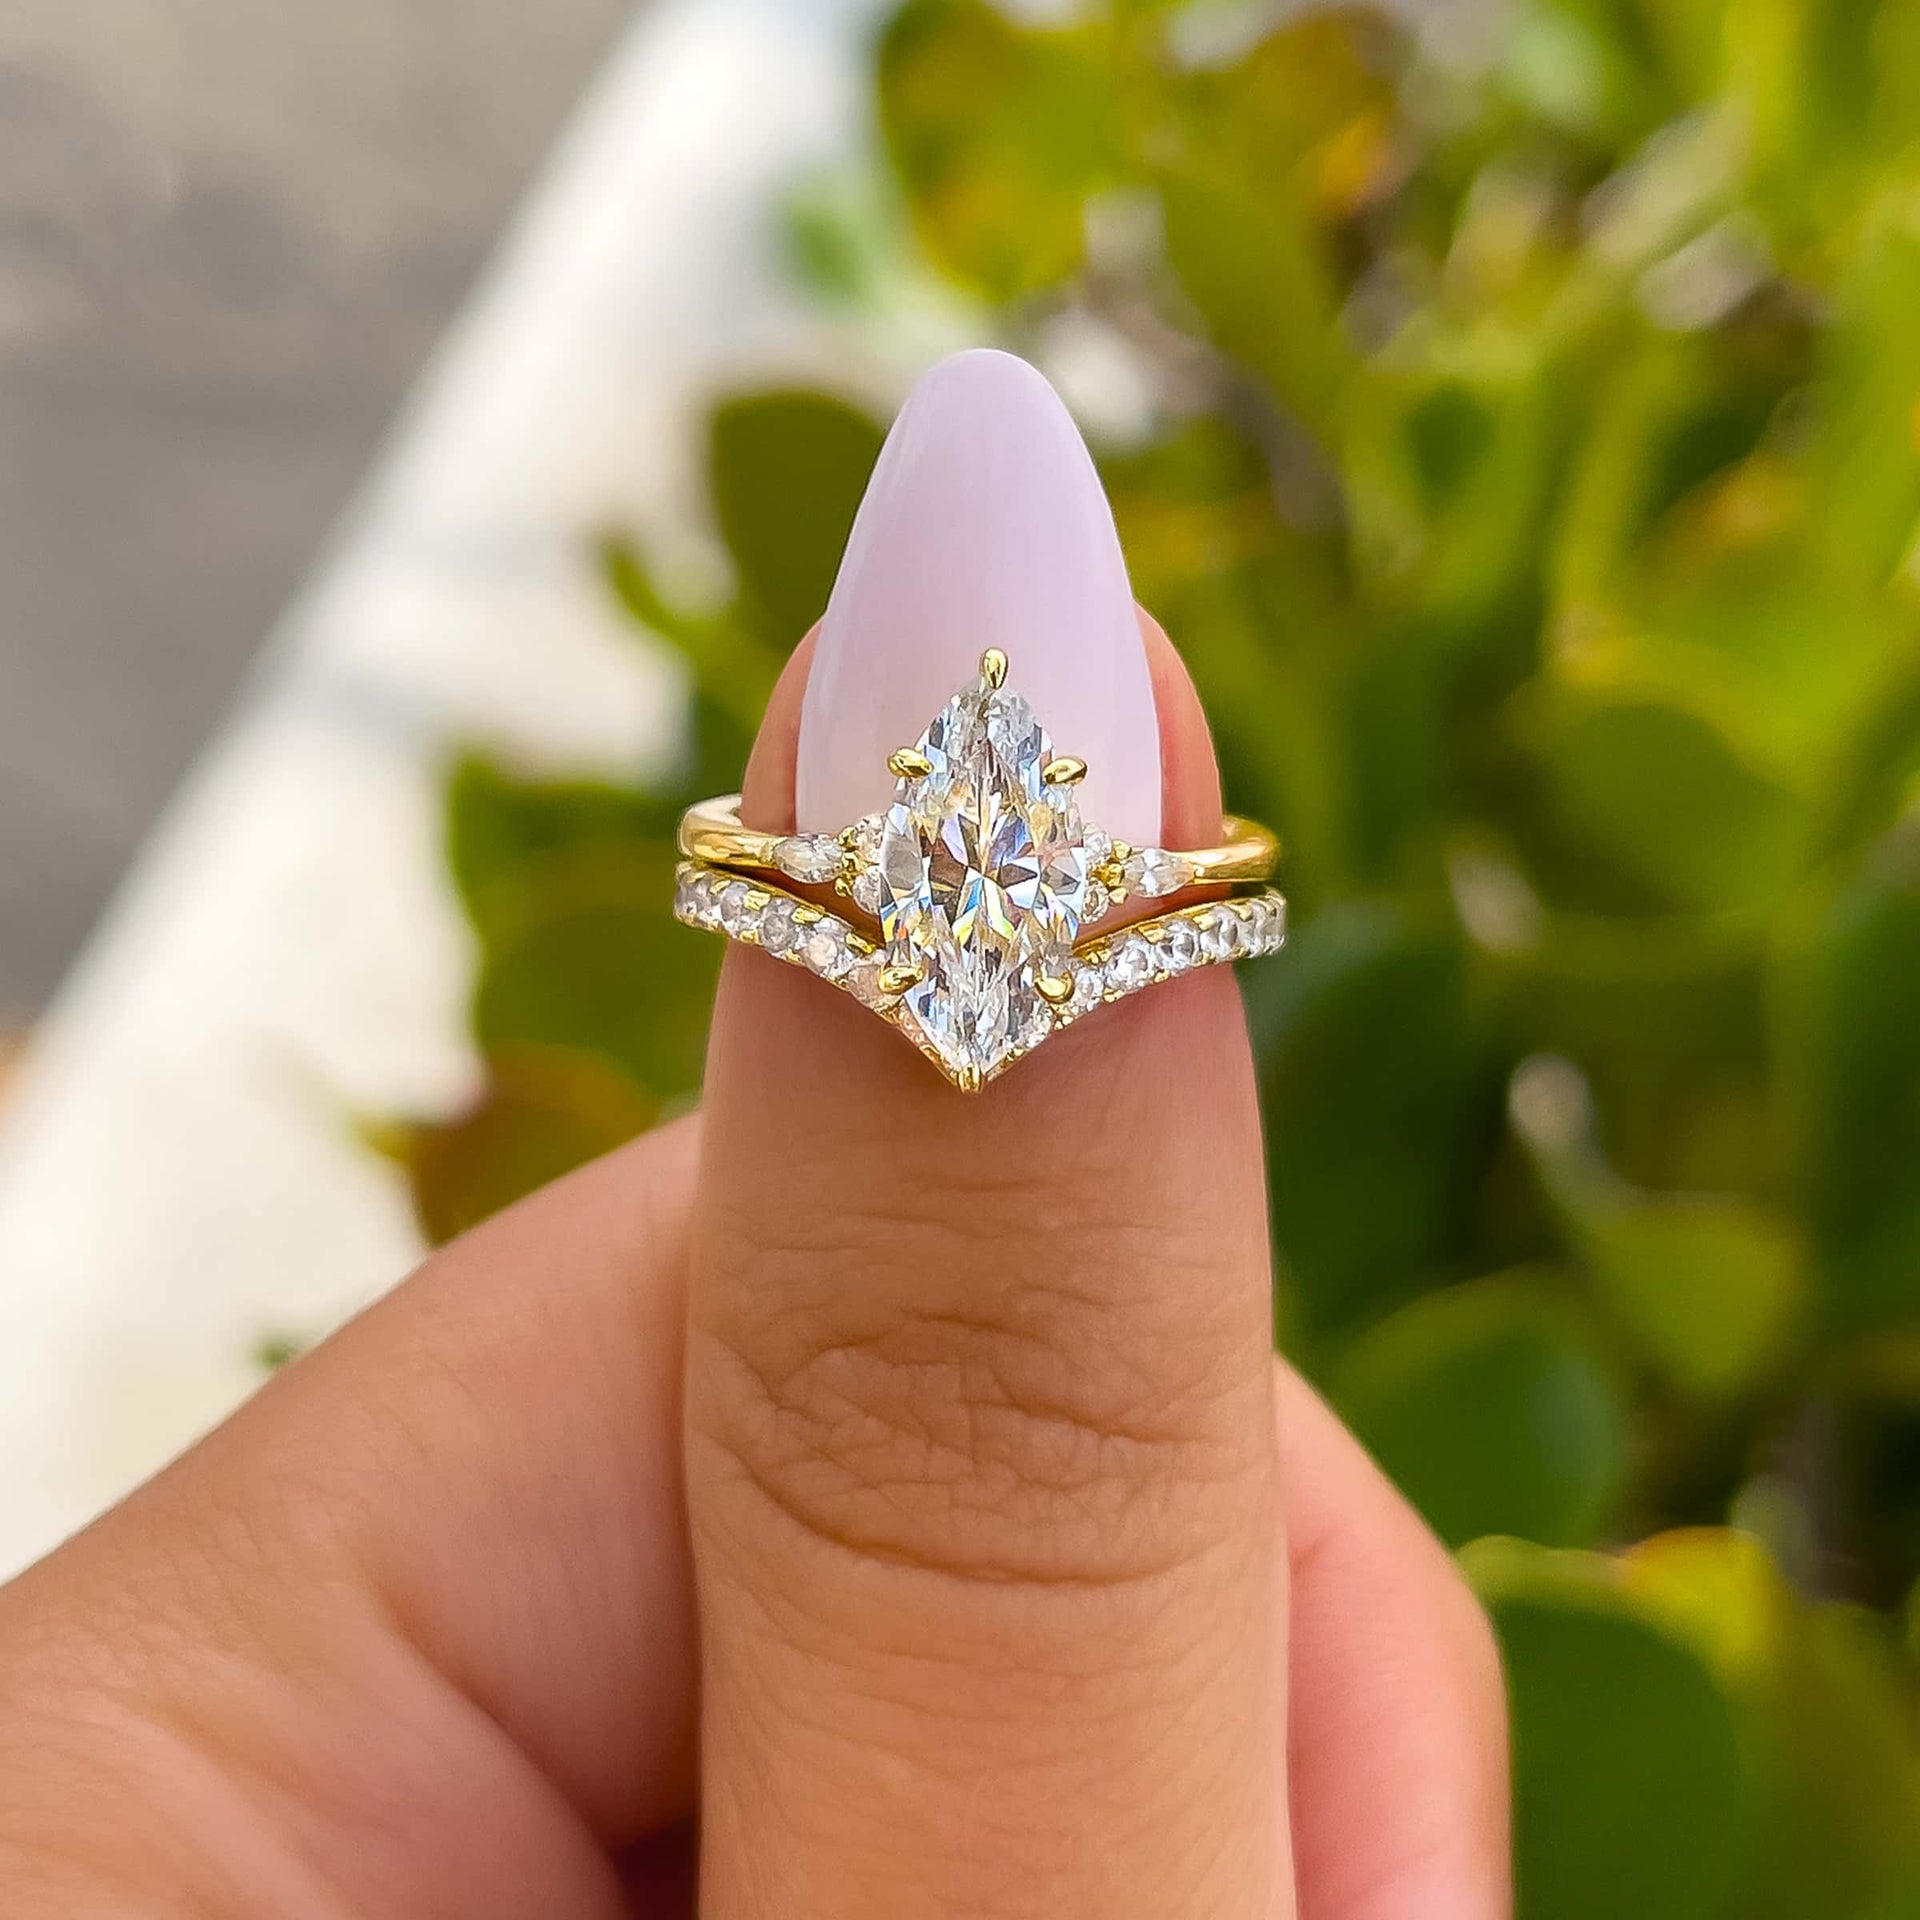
[(983, 880)]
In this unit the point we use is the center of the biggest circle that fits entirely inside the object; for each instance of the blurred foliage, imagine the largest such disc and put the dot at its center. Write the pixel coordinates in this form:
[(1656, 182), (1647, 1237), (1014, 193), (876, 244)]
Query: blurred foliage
[(1531, 481)]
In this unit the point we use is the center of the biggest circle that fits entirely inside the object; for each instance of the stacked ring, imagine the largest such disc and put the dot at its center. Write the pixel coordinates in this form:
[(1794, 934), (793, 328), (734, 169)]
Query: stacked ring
[(981, 885)]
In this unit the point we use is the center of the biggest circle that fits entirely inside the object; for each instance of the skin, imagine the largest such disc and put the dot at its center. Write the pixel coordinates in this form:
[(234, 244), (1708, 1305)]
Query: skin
[(1004, 1582)]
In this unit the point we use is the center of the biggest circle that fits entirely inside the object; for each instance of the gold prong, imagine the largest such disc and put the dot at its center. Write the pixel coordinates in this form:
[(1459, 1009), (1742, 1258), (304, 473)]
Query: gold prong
[(967, 1079), (896, 980), (909, 763), (1068, 770), (1055, 990), (993, 667)]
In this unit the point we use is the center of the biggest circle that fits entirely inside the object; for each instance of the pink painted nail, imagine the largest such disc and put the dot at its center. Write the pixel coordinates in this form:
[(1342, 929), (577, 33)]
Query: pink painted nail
[(985, 525)]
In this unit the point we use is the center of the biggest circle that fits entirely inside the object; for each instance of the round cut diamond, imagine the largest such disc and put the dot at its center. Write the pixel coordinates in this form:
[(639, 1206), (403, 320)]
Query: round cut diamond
[(1179, 945), (1219, 934), (869, 890), (734, 913), (983, 871), (1130, 965), (823, 946), (1088, 989), (777, 930)]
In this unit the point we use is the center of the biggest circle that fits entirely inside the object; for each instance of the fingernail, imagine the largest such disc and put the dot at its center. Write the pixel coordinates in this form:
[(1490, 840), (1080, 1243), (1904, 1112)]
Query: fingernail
[(984, 525)]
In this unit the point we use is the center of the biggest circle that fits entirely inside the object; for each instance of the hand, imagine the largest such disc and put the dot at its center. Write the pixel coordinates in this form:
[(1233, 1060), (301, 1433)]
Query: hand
[(1008, 1572)]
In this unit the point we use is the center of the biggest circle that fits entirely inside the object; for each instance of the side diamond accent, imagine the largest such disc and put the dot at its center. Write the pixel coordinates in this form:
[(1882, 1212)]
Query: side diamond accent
[(811, 857), (1155, 872)]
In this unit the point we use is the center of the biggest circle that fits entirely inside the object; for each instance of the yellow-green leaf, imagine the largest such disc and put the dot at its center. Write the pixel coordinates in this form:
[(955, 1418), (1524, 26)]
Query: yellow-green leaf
[(1493, 1408), (543, 1112), (999, 132), (785, 470)]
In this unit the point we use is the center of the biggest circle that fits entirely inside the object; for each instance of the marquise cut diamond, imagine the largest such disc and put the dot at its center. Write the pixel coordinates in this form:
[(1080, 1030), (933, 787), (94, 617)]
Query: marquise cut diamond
[(984, 873), (810, 857), (1153, 871)]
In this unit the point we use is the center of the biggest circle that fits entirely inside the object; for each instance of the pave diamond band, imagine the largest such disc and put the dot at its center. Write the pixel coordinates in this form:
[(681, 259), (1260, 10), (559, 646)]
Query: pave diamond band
[(760, 914), (984, 883)]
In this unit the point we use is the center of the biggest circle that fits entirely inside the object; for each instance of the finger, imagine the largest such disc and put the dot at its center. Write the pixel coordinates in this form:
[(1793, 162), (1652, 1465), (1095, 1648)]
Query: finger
[(412, 1633), (661, 1874), (1398, 1745), (1397, 1742), (981, 1468)]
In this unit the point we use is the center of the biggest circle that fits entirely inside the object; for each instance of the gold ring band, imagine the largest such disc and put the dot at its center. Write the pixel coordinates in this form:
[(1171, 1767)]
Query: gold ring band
[(711, 833)]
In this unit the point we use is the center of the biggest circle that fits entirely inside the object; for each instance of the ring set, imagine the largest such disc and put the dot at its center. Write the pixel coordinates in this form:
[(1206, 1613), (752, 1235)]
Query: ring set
[(983, 882)]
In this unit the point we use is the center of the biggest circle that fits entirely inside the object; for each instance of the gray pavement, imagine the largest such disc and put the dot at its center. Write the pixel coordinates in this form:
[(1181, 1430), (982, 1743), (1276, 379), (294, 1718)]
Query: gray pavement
[(229, 234)]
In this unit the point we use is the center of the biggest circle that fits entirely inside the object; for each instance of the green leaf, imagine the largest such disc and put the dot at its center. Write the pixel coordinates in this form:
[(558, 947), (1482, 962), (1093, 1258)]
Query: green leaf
[(1845, 1784), (1659, 793), (1880, 763), (1863, 466), (1261, 613), (1805, 79), (1492, 1408), (1675, 413), (785, 471), (1274, 151), (1691, 41), (1903, 1903), (1632, 1794), (1257, 276), (1708, 1286), (1307, 112), (1824, 1705), (1450, 465), (1860, 1037), (543, 1112), (733, 671), (1719, 1591), (499, 824), (585, 954), (1381, 1106), (999, 133), (1585, 68), (839, 228)]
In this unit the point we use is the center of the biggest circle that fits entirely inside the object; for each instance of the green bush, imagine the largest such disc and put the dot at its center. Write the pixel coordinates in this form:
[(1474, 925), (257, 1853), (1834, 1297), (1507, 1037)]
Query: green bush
[(1533, 493)]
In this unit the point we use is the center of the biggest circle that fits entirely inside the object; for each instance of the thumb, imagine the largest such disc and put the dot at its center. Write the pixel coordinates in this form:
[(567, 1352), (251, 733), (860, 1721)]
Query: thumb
[(981, 1460)]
